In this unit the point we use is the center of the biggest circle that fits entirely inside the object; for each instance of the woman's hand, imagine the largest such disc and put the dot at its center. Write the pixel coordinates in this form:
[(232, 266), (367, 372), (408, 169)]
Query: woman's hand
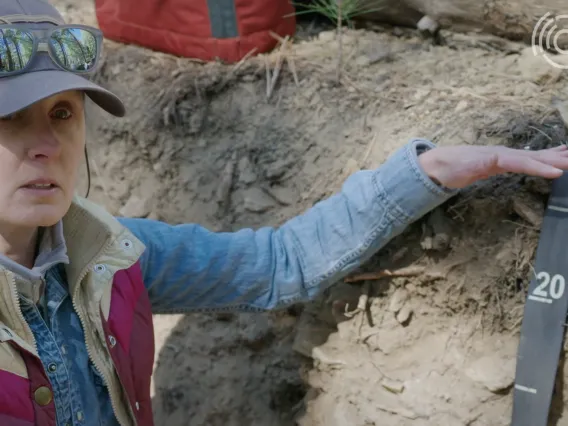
[(459, 166)]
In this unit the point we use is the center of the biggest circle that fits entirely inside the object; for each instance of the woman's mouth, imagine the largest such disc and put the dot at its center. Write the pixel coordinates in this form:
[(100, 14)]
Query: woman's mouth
[(41, 187)]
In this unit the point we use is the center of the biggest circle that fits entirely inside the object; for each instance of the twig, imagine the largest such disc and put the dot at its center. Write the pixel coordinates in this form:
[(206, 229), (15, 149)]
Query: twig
[(292, 65), (275, 36), (403, 272), (236, 67), (521, 225), (460, 91), (226, 184), (268, 75), (516, 324), (289, 58), (360, 309), (370, 147), (339, 39), (541, 132), (361, 304), (277, 68), (369, 335)]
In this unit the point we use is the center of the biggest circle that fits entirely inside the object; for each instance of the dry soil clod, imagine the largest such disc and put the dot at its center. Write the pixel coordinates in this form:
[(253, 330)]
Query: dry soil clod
[(403, 316), (439, 231), (398, 299), (428, 25), (530, 209)]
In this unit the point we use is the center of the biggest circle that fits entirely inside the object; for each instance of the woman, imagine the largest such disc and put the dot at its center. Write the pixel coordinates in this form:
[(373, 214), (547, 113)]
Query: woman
[(78, 287)]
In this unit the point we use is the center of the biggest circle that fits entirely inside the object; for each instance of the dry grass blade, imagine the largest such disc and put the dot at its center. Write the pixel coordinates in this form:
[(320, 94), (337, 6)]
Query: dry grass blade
[(370, 147), (268, 75), (289, 56), (279, 59), (226, 183), (236, 67), (339, 40)]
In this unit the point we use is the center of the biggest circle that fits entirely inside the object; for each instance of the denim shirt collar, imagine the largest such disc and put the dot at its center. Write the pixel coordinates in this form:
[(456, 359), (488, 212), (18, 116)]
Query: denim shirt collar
[(52, 251)]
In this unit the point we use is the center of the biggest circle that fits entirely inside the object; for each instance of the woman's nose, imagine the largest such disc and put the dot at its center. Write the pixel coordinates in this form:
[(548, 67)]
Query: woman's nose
[(45, 146)]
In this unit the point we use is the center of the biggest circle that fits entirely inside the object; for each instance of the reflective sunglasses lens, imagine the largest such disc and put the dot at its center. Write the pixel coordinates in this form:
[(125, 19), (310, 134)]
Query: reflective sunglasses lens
[(16, 49), (74, 48)]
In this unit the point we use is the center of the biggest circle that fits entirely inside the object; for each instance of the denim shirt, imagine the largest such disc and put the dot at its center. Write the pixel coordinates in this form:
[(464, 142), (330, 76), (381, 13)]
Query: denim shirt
[(187, 268)]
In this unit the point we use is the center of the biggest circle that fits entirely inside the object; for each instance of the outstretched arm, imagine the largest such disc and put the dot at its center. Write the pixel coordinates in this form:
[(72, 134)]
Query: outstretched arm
[(188, 268)]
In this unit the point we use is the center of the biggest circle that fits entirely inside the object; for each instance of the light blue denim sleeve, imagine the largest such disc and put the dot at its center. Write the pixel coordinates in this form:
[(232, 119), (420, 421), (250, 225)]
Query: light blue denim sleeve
[(188, 268)]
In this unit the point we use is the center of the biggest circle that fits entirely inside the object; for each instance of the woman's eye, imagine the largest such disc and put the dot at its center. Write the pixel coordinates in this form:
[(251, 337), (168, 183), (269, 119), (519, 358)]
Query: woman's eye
[(61, 114)]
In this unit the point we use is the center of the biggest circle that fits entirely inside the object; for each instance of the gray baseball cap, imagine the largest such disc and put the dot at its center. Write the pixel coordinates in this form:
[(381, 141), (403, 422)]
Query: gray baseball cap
[(45, 78)]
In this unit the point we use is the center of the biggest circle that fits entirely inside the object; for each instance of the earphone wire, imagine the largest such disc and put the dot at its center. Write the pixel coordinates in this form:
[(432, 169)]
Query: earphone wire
[(88, 172)]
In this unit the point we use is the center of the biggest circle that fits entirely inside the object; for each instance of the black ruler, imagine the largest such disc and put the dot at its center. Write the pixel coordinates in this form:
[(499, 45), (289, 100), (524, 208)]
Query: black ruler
[(543, 328)]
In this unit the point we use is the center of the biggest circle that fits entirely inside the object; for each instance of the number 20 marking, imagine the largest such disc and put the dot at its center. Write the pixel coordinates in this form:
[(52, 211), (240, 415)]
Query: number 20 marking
[(557, 285)]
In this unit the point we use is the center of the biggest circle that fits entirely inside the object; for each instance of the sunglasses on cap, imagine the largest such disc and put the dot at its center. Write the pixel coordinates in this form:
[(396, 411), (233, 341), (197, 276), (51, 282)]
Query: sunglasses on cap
[(74, 48)]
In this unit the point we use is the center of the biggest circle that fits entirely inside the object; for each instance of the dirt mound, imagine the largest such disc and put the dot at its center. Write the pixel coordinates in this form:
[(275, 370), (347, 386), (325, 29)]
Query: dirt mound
[(438, 342), (203, 143)]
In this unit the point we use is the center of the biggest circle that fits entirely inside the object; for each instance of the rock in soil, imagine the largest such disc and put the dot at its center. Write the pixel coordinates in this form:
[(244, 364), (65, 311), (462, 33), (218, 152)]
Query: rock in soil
[(135, 207), (495, 372), (257, 201), (398, 300)]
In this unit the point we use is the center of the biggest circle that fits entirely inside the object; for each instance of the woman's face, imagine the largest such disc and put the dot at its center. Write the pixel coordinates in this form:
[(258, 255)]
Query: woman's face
[(41, 149)]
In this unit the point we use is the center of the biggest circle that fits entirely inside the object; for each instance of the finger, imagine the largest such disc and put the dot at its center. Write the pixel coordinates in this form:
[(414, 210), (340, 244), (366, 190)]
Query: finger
[(560, 149), (556, 148), (529, 166), (558, 159), (557, 151)]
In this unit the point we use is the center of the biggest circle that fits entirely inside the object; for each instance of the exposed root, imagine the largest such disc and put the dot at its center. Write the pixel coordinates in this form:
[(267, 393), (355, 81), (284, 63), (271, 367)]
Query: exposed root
[(403, 272)]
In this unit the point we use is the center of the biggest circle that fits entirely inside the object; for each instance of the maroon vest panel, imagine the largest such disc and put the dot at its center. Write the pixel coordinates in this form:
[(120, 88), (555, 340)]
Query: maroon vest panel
[(130, 337), (18, 406)]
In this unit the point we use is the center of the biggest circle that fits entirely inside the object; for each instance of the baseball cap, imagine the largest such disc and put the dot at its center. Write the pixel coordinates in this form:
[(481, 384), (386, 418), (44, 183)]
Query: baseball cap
[(44, 78)]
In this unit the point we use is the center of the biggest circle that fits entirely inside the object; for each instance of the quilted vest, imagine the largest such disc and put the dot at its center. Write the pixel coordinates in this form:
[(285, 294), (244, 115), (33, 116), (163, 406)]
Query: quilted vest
[(111, 300)]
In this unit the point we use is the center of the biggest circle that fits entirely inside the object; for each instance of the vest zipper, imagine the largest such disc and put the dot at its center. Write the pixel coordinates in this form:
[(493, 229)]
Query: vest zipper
[(89, 352), (16, 300)]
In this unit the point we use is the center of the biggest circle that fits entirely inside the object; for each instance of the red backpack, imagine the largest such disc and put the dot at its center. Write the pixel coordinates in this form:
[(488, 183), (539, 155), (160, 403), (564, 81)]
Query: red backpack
[(202, 29)]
